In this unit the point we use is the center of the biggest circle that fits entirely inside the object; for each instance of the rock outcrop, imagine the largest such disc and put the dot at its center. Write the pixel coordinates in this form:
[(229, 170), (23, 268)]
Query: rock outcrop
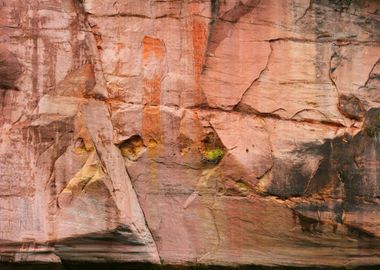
[(238, 132)]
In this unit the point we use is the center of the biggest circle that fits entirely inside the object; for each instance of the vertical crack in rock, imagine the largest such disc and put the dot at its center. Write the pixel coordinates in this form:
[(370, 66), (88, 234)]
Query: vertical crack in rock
[(263, 180), (349, 105), (332, 67), (100, 89), (249, 58), (96, 120), (371, 74), (311, 177), (208, 187), (100, 129), (222, 25), (309, 7), (215, 6), (344, 175), (215, 248), (238, 106), (145, 219)]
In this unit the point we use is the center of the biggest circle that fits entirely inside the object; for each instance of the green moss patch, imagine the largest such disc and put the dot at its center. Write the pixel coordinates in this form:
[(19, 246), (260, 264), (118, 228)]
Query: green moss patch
[(213, 155)]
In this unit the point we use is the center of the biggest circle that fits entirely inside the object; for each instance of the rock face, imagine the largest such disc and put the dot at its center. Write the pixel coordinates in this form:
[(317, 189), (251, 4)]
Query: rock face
[(190, 132)]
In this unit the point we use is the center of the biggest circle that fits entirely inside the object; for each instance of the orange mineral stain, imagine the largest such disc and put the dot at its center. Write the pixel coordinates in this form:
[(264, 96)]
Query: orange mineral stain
[(199, 37), (153, 73), (153, 63), (153, 47), (152, 91)]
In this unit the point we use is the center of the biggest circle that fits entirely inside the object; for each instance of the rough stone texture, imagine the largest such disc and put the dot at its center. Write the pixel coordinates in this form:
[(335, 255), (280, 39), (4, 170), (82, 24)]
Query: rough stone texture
[(190, 132)]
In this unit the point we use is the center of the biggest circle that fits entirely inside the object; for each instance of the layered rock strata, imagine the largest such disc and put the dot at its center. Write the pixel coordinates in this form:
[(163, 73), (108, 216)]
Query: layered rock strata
[(209, 132)]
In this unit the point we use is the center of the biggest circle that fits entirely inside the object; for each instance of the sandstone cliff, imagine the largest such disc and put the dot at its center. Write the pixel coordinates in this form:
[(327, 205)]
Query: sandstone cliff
[(217, 132)]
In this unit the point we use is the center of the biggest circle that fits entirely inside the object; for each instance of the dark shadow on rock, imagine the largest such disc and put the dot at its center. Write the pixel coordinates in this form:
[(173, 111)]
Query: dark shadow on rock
[(349, 162), (69, 265)]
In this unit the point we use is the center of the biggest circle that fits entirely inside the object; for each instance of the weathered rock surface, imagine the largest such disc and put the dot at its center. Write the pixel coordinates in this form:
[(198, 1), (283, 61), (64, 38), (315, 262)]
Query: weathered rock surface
[(190, 132)]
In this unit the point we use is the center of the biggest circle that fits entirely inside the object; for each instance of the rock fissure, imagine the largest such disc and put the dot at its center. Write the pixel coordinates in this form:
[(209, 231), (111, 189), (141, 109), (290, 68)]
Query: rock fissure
[(370, 73), (190, 132), (256, 79), (309, 7)]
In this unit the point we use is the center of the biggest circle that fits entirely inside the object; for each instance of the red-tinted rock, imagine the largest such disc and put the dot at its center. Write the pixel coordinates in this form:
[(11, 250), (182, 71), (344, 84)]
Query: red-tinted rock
[(190, 132)]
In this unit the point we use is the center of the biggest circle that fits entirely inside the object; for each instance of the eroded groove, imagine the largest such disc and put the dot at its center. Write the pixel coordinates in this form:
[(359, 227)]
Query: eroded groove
[(341, 42)]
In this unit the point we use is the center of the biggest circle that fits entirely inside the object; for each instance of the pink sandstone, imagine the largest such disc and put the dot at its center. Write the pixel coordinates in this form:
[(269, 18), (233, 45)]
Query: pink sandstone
[(238, 132)]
